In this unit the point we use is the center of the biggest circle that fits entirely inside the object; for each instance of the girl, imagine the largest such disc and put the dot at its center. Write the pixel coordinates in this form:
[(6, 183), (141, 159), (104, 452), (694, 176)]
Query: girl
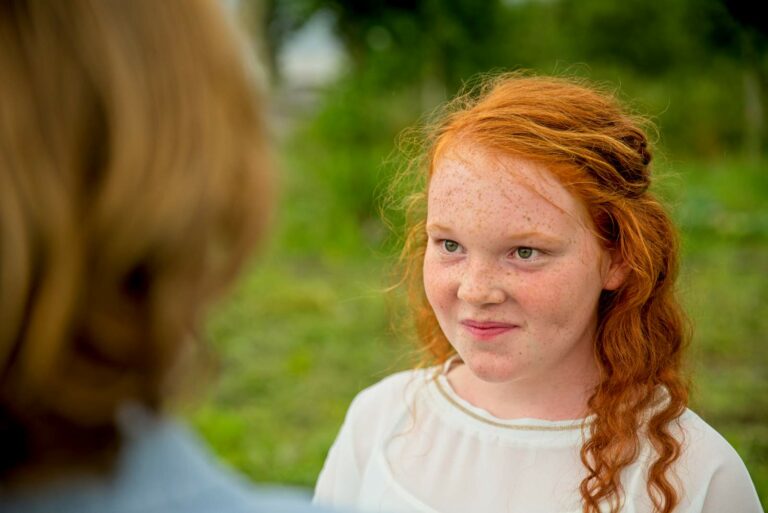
[(542, 276)]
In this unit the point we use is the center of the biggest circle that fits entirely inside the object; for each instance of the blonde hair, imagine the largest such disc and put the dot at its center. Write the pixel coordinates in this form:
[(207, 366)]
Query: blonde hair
[(133, 185)]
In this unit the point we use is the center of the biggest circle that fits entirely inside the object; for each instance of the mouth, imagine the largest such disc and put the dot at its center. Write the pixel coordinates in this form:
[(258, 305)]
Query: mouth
[(487, 330)]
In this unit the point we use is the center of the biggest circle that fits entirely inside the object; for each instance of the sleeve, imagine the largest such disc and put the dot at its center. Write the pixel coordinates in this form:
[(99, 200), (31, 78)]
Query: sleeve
[(339, 482)]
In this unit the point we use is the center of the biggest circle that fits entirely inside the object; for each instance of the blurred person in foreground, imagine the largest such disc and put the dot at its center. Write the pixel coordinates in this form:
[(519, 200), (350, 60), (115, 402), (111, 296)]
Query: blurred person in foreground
[(133, 185)]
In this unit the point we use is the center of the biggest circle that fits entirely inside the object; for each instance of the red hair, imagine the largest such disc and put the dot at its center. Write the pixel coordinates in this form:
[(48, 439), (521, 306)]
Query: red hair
[(601, 155)]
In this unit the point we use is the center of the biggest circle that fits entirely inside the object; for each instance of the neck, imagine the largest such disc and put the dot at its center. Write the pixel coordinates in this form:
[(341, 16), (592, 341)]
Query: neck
[(560, 397)]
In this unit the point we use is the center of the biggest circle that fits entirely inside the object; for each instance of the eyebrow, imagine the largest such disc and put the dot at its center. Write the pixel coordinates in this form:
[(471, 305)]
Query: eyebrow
[(515, 236), (437, 227)]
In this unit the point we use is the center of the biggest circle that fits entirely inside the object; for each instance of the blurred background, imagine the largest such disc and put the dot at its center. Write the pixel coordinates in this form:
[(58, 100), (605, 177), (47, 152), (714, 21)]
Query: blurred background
[(310, 323)]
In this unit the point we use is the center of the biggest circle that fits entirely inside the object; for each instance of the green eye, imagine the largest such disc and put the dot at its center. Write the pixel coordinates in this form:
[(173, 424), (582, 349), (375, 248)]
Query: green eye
[(525, 253), (451, 246)]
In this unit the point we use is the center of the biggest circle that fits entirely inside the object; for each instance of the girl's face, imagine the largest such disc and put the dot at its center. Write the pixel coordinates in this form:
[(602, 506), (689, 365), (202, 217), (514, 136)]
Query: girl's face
[(512, 270)]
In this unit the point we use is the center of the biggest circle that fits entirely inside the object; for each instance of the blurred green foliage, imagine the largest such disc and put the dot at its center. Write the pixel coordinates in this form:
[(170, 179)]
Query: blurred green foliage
[(311, 324)]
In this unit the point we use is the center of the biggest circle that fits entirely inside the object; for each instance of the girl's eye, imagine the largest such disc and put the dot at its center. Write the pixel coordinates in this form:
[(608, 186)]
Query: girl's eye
[(524, 253), (450, 246)]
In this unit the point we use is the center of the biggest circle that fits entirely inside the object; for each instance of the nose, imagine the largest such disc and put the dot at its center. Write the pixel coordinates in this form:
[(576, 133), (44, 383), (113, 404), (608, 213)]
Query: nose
[(480, 285)]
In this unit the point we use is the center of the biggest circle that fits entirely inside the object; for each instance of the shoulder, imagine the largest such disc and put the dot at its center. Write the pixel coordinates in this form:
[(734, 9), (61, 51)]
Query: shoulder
[(376, 411), (172, 470), (702, 442), (711, 471), (391, 393), (162, 466), (281, 500), (370, 419)]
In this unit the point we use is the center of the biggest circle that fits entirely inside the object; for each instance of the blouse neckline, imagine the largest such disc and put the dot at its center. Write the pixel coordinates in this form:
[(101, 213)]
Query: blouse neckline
[(439, 381)]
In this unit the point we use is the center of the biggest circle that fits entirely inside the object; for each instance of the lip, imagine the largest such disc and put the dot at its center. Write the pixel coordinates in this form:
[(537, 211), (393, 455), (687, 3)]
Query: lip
[(487, 330)]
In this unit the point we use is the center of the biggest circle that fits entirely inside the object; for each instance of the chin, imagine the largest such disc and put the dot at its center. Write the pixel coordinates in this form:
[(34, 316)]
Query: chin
[(493, 369)]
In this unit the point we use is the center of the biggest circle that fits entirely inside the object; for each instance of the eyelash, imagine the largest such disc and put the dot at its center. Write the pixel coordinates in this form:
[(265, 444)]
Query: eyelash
[(443, 242), (535, 253)]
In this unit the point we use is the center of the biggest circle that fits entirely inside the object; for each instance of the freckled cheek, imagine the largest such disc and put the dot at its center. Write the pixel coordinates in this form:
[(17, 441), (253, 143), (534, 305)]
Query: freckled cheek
[(534, 291), (439, 287), (565, 304), (548, 300)]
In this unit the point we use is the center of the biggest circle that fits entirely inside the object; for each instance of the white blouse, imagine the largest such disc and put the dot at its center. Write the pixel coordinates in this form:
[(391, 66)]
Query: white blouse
[(410, 444)]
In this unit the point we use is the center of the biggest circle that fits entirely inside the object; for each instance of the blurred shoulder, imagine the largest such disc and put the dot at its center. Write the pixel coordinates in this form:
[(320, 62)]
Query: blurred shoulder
[(162, 466), (269, 499)]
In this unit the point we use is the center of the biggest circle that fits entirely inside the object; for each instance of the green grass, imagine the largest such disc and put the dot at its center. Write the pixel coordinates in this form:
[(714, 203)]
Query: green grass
[(296, 341), (305, 330), (724, 216)]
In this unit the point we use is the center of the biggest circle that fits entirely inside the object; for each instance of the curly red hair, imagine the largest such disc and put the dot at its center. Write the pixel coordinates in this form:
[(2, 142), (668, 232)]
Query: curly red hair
[(601, 154)]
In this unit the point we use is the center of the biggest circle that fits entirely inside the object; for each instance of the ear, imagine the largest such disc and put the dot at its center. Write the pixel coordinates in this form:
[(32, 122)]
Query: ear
[(617, 272)]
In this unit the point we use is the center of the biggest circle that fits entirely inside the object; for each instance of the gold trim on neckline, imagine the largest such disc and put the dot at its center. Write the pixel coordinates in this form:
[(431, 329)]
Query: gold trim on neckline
[(520, 427)]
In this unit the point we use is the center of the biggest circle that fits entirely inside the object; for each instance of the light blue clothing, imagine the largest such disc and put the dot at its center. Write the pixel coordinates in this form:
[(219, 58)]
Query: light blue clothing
[(162, 467)]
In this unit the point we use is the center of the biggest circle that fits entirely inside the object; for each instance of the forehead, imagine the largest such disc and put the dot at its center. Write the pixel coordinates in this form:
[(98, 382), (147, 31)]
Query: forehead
[(468, 177)]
